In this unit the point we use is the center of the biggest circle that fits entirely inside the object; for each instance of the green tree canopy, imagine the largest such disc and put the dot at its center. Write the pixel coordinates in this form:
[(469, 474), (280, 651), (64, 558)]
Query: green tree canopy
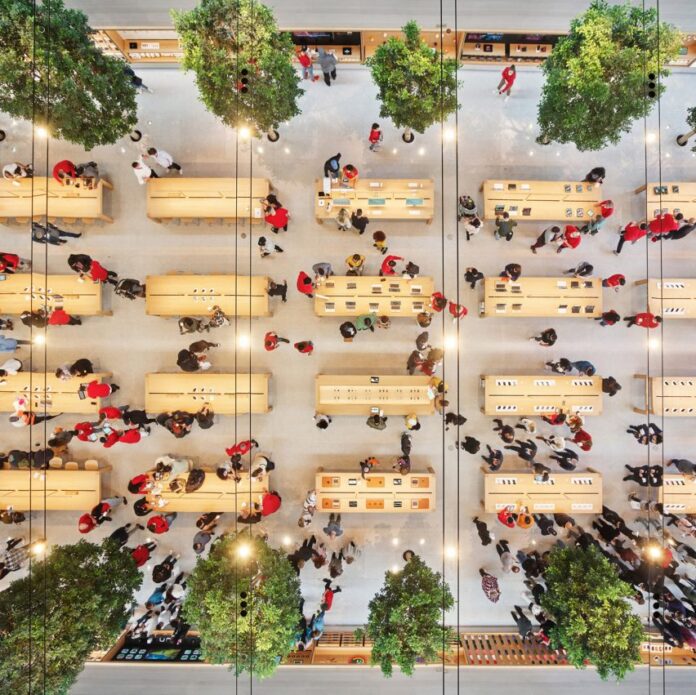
[(594, 621), (405, 621), (596, 75), (51, 73), (228, 41), (416, 89), (74, 601), (252, 638)]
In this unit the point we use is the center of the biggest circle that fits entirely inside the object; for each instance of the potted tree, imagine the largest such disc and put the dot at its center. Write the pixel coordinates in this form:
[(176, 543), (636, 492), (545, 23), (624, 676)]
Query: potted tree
[(596, 78), (51, 73), (594, 621), (242, 64), (72, 602), (244, 600), (416, 88), (691, 122), (405, 620)]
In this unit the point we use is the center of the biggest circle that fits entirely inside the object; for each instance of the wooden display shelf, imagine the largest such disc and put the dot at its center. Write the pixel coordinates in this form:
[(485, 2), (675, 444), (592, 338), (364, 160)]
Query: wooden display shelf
[(678, 494), (671, 298), (371, 40), (671, 196), (671, 396), (80, 298)]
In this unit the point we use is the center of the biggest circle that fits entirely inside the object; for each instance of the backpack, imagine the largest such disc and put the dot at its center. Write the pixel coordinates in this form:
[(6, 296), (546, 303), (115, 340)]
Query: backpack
[(177, 485), (195, 479)]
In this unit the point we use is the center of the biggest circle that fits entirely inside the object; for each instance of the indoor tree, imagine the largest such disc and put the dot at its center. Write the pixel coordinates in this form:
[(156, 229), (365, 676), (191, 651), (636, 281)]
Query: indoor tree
[(72, 602), (589, 603), (52, 74), (416, 87), (596, 78), (691, 122), (244, 601), (242, 63), (405, 619)]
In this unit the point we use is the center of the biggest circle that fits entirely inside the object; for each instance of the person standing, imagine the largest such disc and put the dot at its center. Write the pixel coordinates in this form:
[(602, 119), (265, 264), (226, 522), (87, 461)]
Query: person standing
[(164, 159), (504, 227), (304, 284), (608, 318), (375, 138), (632, 232), (570, 239), (379, 239), (11, 344), (548, 236), (489, 585), (643, 319), (305, 58), (15, 171), (350, 175), (360, 222), (546, 338), (472, 276), (581, 270), (143, 172), (304, 347), (267, 247), (507, 79), (64, 171), (278, 218), (595, 175), (272, 340), (615, 281), (327, 62), (332, 166)]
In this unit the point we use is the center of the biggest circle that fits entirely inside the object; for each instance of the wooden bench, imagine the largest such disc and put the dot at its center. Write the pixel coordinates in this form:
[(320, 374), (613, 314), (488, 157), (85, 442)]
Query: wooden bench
[(215, 495), (560, 201), (31, 200), (541, 395), (672, 396), (671, 298), (31, 291), (226, 394), (362, 394), (352, 296), (674, 196), (379, 199), (678, 493), (578, 492), (51, 489), (46, 392), (552, 297), (388, 491), (195, 295), (177, 198)]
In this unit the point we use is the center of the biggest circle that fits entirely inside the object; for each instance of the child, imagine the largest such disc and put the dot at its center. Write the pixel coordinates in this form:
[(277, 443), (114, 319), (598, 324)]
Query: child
[(375, 138), (380, 242)]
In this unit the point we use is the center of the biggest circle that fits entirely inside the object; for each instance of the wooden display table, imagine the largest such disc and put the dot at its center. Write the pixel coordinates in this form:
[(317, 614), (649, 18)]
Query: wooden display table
[(51, 489), (362, 394), (353, 296), (675, 196), (49, 393), (543, 297), (17, 294), (541, 395), (579, 492), (560, 201), (678, 494), (672, 396), (177, 198), (342, 491), (215, 495), (671, 299), (379, 199), (226, 394), (30, 200), (195, 295)]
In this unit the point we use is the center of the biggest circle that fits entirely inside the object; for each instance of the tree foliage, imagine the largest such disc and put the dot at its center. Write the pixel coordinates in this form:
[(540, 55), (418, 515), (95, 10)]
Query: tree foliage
[(416, 89), (594, 621), (228, 41), (596, 75), (52, 74), (257, 641), (405, 620), (74, 601)]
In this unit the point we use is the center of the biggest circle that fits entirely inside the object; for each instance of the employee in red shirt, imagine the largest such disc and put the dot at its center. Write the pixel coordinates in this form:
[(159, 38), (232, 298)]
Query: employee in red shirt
[(631, 232), (271, 341), (306, 63), (457, 311), (85, 431), (350, 175), (571, 238), (278, 219), (161, 523), (131, 436), (95, 389), (110, 412), (583, 440), (305, 284), (305, 347), (241, 448), (86, 523), (438, 301), (388, 265), (108, 440), (375, 137), (139, 484), (60, 317), (615, 281), (9, 262), (270, 503), (606, 208), (328, 595), (141, 554), (664, 224), (644, 320), (508, 77), (65, 169)]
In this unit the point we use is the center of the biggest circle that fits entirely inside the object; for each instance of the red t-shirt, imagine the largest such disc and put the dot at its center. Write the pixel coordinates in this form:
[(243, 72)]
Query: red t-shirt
[(86, 523), (8, 260), (583, 440), (64, 167), (633, 232), (505, 518), (606, 208), (141, 555), (327, 598), (141, 481), (84, 429), (304, 283), (646, 320), (663, 224), (59, 317), (387, 268), (457, 310), (111, 439), (131, 436), (375, 135), (305, 60), (270, 341), (270, 503), (157, 524), (305, 347), (97, 272), (614, 280), (509, 75), (279, 218), (96, 390), (110, 412), (349, 173), (433, 301), (242, 448), (571, 236)]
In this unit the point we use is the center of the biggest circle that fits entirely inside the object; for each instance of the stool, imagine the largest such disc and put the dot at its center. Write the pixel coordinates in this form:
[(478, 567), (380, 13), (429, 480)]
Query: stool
[(91, 465), (72, 466), (55, 462)]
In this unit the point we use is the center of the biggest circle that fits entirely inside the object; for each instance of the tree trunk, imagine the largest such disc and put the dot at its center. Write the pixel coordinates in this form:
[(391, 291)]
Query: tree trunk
[(683, 139), (408, 135)]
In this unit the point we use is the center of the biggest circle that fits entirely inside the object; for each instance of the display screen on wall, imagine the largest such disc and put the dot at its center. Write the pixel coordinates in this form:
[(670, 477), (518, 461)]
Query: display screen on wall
[(326, 38)]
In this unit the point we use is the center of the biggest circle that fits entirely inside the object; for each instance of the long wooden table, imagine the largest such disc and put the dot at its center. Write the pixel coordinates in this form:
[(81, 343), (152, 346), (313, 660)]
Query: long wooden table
[(27, 291), (353, 296), (362, 394), (552, 297), (673, 196), (541, 395), (226, 394), (48, 392), (575, 492), (215, 495), (195, 295), (678, 494), (50, 489), (387, 491), (672, 396), (31, 200), (379, 199), (671, 298), (562, 201), (206, 198)]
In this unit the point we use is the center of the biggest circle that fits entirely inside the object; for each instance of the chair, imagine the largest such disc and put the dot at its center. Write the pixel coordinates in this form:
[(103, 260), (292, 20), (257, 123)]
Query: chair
[(71, 466), (91, 465), (55, 462)]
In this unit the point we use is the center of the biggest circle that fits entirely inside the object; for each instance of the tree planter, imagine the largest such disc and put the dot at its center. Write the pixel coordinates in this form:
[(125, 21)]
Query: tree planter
[(3, 135), (408, 136), (684, 139), (136, 135), (273, 135)]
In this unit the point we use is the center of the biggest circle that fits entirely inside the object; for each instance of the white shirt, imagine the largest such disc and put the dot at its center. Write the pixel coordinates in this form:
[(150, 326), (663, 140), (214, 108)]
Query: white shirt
[(142, 173), (9, 171), (164, 159), (12, 366)]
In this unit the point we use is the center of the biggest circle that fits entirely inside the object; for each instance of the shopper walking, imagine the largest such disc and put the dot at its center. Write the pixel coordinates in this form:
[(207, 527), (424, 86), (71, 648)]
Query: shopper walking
[(164, 159)]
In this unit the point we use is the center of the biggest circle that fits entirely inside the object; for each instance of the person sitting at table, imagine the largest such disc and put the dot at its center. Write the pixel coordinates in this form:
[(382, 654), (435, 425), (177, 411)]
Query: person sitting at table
[(14, 171), (179, 423), (64, 171), (89, 173)]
